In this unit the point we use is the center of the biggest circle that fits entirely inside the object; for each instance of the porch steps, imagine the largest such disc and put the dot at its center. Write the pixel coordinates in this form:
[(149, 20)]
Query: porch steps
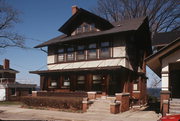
[(100, 106), (174, 107)]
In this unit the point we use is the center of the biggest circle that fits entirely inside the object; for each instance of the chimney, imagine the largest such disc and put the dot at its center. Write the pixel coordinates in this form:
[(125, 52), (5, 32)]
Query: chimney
[(6, 64), (74, 9)]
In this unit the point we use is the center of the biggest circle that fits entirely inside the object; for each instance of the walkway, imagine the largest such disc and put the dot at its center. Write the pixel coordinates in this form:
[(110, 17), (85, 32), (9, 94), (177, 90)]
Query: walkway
[(14, 112)]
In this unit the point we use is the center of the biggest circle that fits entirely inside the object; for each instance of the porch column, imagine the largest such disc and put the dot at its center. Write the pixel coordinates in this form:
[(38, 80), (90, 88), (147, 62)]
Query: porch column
[(165, 81)]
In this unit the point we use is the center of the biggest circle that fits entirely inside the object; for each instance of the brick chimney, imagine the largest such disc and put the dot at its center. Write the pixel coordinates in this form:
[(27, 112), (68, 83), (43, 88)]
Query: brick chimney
[(6, 64), (74, 9)]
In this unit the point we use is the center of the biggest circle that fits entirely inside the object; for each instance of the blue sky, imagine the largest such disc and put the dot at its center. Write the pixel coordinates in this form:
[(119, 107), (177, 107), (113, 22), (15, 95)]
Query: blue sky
[(41, 20)]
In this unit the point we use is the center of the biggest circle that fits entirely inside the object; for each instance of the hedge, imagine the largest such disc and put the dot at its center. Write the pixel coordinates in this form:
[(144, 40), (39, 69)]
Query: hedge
[(74, 103)]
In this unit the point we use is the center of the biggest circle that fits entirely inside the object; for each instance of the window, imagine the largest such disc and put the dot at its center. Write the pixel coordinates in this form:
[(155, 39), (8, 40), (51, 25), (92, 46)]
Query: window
[(79, 30), (92, 51), (60, 57), (97, 83), (92, 26), (70, 54), (53, 83), (66, 82), (13, 91), (81, 82), (86, 28), (80, 52), (135, 86), (104, 50)]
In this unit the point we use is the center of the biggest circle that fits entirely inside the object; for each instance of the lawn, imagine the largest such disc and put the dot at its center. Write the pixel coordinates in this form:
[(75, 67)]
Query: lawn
[(10, 103)]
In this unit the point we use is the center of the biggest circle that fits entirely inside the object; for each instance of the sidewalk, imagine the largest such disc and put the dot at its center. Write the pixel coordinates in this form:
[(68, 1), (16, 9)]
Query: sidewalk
[(15, 112)]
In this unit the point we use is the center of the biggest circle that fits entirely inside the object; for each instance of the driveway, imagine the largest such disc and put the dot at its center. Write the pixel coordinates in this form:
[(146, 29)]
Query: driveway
[(15, 112)]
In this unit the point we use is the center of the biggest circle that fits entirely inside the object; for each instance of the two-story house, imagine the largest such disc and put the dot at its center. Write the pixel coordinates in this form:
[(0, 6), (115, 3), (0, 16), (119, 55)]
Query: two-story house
[(10, 89), (94, 54)]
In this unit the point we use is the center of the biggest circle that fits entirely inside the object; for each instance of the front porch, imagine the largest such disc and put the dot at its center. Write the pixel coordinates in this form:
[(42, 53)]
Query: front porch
[(106, 81)]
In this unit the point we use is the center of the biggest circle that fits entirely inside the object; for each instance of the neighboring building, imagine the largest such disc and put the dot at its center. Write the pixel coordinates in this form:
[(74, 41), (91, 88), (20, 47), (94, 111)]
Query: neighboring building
[(161, 40), (96, 55), (166, 64), (9, 88)]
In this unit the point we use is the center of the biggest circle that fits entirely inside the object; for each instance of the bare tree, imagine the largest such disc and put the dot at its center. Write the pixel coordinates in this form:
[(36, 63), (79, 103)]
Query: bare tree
[(164, 15), (8, 18)]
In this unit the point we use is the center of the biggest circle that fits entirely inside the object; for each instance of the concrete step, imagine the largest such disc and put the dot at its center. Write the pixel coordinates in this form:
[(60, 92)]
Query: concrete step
[(174, 111), (99, 111), (174, 108)]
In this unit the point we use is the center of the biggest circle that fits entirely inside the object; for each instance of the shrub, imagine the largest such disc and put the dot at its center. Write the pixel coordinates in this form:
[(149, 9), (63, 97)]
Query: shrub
[(74, 103)]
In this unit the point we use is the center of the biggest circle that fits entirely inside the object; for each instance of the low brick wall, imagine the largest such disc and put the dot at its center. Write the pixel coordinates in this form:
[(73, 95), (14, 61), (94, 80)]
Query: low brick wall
[(124, 99), (62, 94)]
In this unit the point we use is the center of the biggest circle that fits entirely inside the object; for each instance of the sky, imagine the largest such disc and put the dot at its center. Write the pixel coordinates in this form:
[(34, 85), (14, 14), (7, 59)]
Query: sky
[(40, 21)]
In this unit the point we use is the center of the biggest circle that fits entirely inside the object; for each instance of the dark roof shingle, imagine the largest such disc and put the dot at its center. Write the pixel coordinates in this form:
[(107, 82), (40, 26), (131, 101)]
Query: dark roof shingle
[(162, 39), (123, 26)]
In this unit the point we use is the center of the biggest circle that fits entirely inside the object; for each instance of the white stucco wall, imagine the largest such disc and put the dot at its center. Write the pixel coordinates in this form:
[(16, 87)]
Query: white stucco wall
[(90, 64), (2, 93), (51, 59), (173, 57)]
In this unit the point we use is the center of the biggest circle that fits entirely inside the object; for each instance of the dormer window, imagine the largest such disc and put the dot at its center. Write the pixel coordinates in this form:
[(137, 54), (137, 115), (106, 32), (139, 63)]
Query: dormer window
[(86, 28), (70, 54)]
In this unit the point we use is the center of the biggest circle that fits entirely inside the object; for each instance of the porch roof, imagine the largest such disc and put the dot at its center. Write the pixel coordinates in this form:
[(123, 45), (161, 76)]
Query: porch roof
[(82, 69), (154, 61)]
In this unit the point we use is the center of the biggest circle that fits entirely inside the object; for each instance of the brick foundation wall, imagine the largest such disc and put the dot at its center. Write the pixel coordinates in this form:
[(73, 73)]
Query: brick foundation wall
[(62, 94), (165, 95)]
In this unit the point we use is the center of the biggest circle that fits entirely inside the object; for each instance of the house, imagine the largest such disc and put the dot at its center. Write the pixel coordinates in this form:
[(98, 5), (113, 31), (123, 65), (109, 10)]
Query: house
[(9, 88), (166, 64), (96, 55)]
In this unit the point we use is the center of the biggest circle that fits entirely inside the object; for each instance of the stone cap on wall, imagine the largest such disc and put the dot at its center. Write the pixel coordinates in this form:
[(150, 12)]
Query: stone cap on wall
[(123, 94)]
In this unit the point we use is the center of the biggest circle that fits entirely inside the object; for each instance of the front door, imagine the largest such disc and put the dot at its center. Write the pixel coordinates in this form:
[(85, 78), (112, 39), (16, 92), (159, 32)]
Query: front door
[(175, 83)]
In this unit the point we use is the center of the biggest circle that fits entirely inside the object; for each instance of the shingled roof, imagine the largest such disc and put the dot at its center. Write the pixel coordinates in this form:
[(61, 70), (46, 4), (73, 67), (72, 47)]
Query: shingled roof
[(8, 70), (162, 39), (122, 26)]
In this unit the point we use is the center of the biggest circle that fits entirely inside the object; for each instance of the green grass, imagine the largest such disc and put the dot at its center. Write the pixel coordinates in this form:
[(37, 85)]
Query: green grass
[(10, 103)]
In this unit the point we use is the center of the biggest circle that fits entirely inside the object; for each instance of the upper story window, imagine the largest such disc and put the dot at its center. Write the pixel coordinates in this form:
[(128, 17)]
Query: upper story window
[(86, 28), (60, 57), (70, 54), (80, 52), (104, 50), (92, 27), (92, 54)]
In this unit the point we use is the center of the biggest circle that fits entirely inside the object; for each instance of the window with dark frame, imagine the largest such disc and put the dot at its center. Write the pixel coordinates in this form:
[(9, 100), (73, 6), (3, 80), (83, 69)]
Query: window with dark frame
[(66, 82), (70, 54), (97, 83), (13, 91), (60, 57), (54, 80), (135, 86), (86, 28), (80, 52), (81, 83), (104, 50), (92, 52)]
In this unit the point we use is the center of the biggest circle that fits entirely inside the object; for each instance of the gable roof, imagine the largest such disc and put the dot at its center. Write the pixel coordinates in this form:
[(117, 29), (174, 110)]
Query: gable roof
[(162, 39), (8, 70), (154, 61), (122, 26), (84, 16)]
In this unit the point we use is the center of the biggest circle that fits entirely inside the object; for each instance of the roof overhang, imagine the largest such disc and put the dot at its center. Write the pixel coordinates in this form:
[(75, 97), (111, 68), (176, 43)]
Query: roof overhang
[(154, 61), (82, 70)]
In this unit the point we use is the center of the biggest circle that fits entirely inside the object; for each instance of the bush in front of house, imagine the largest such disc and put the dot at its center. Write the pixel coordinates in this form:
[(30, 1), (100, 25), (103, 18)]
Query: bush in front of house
[(73, 103)]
